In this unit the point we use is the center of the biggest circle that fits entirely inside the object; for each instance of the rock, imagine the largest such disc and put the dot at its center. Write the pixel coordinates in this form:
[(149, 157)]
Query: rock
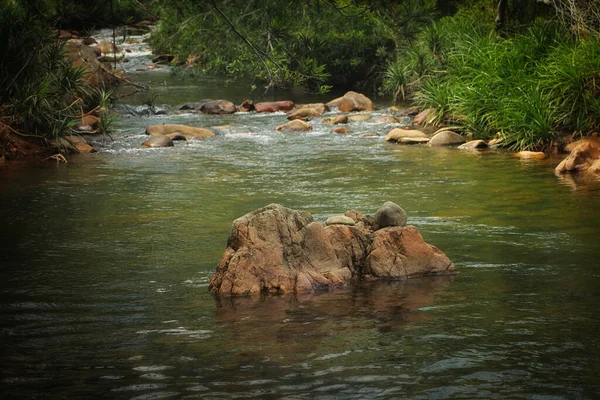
[(321, 108), (294, 126), (304, 114), (387, 119), (74, 144), (390, 214), (106, 47), (334, 103), (218, 107), (353, 101), (592, 140), (337, 119), (277, 250), (274, 106), (495, 142), (473, 144), (340, 220), (538, 155), (446, 138), (190, 132), (359, 118), (158, 141), (64, 35), (401, 253), (398, 134), (423, 117), (583, 157), (195, 106), (163, 59), (365, 221), (88, 123), (246, 106), (340, 130)]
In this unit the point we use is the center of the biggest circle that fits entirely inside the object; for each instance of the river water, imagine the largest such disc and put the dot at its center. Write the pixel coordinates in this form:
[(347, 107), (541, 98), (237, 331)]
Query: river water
[(105, 264)]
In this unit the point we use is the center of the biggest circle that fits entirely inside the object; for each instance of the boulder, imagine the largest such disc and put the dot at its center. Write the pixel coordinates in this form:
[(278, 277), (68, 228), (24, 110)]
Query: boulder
[(218, 107), (583, 158), (400, 253), (195, 106), (390, 214), (190, 132), (321, 108), (158, 141), (422, 118), (336, 119), (473, 144), (277, 250), (294, 126), (353, 101), (335, 102), (399, 134), (359, 118), (107, 47), (273, 106), (246, 106), (340, 130), (446, 138), (592, 140), (340, 220), (88, 123)]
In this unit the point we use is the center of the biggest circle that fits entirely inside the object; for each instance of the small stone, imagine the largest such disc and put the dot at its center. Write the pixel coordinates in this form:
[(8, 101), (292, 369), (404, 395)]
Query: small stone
[(340, 130), (397, 134), (536, 155), (294, 126), (446, 138), (473, 144), (359, 117), (158, 141), (340, 220), (338, 119)]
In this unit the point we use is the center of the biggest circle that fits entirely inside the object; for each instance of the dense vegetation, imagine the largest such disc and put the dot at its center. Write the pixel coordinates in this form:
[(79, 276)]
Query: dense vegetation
[(42, 93)]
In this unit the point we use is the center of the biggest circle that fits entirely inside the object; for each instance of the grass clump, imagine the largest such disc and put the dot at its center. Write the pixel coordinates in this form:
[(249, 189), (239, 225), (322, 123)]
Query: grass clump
[(529, 87)]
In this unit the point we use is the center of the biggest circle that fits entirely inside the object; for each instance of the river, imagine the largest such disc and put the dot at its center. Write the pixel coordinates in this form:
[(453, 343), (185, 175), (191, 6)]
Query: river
[(105, 264)]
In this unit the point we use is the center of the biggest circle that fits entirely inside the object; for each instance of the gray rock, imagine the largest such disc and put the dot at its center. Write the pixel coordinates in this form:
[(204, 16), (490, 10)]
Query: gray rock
[(390, 214)]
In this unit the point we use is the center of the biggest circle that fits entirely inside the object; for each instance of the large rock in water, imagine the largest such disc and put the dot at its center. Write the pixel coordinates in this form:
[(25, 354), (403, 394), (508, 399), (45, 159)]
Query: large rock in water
[(352, 101), (585, 157), (276, 250), (273, 106), (218, 107)]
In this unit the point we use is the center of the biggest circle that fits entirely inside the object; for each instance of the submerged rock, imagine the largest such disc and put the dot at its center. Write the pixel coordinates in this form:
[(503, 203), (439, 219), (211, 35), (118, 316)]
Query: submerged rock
[(336, 119), (276, 250)]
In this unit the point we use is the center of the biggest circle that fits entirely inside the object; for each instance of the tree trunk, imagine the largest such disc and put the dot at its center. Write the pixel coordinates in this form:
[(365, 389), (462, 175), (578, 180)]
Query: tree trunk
[(501, 14)]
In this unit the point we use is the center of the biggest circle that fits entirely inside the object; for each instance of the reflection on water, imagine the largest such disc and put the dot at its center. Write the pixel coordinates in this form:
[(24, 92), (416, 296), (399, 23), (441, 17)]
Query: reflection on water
[(105, 264)]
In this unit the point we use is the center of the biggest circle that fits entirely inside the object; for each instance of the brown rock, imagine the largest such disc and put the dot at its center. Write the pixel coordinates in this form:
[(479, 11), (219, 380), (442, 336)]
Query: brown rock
[(473, 144), (190, 132), (158, 141), (294, 126), (277, 250), (335, 102), (337, 119), (401, 253), (398, 134), (359, 117), (353, 101), (423, 117), (176, 136), (218, 107), (340, 130), (304, 114), (106, 47), (319, 107), (246, 106), (446, 138), (274, 106), (584, 157), (592, 140)]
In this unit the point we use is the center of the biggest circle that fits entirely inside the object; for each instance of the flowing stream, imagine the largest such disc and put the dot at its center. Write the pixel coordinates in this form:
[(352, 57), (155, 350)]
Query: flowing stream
[(105, 264)]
